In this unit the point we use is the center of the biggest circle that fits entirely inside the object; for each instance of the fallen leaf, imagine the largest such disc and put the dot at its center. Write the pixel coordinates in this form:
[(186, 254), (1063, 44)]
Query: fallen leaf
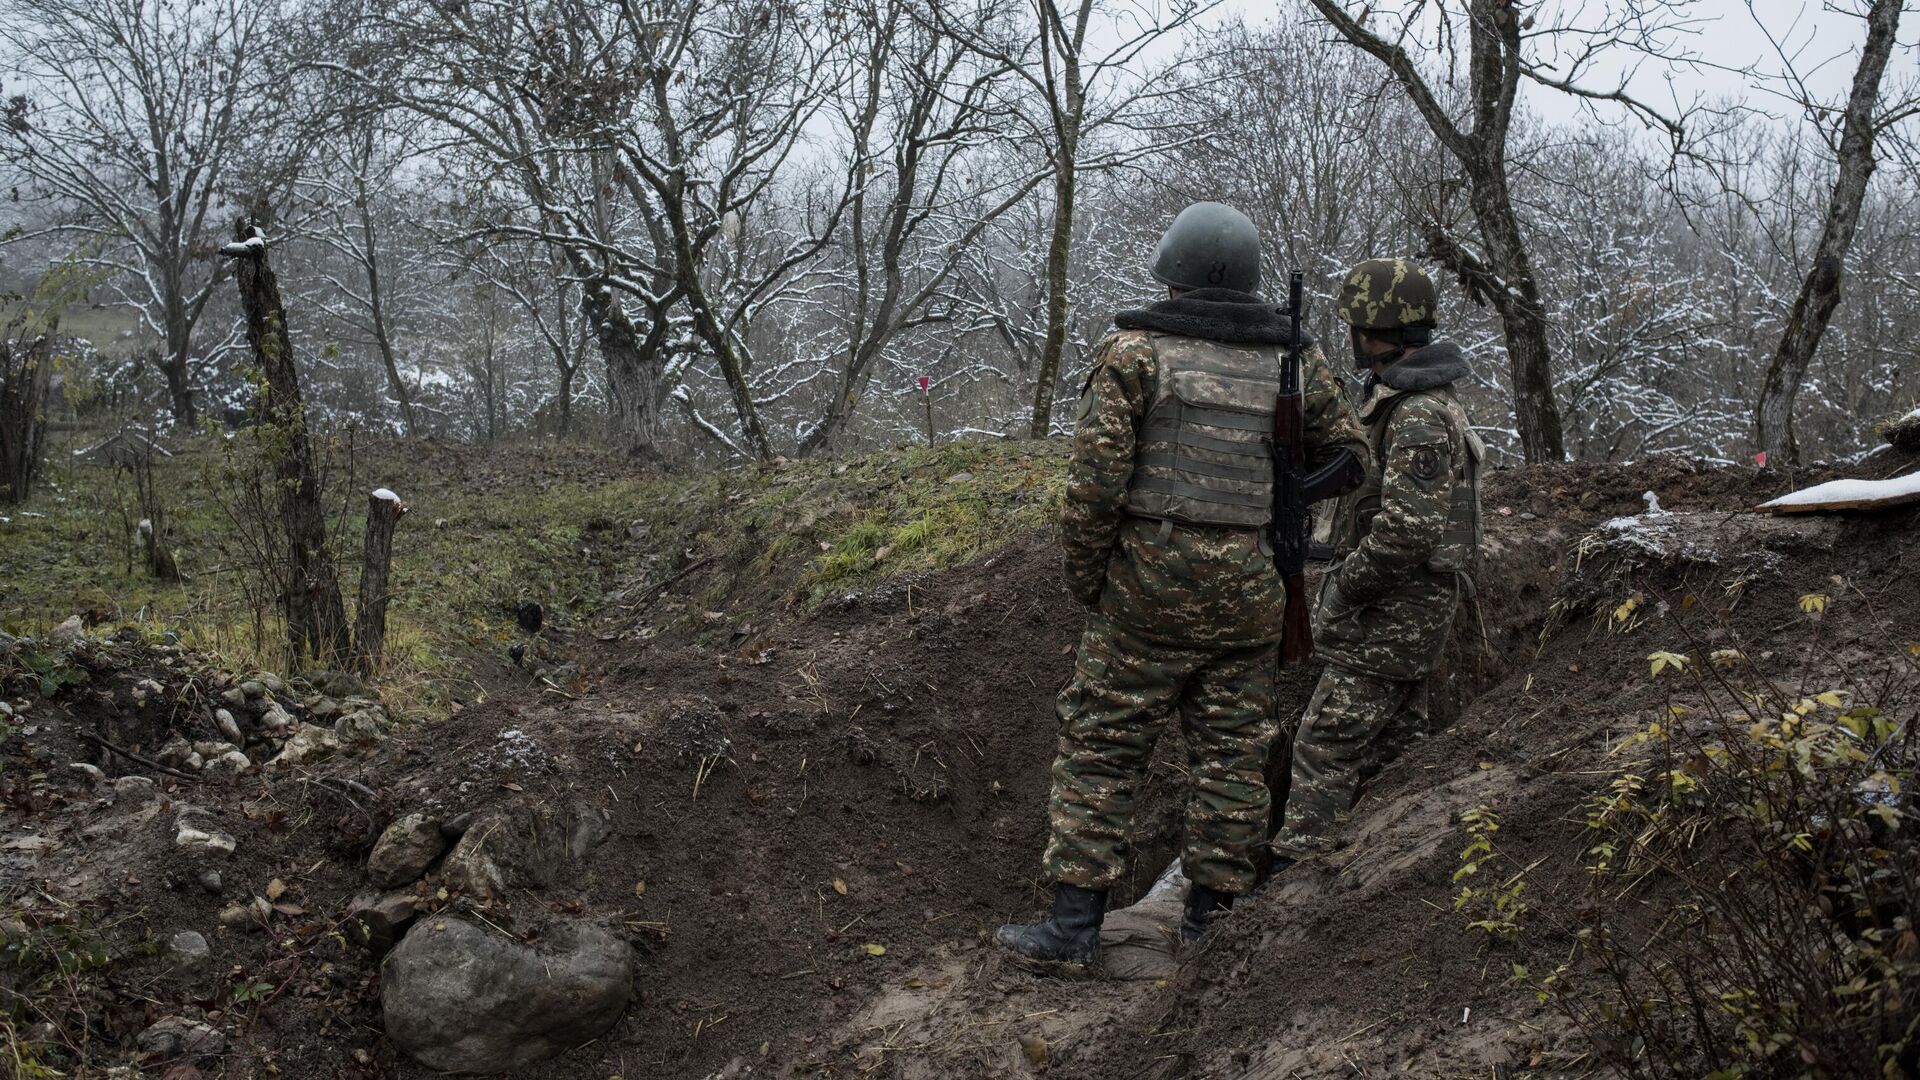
[(276, 889), (1036, 1048), (839, 886), (639, 888), (290, 910), (876, 950), (513, 787)]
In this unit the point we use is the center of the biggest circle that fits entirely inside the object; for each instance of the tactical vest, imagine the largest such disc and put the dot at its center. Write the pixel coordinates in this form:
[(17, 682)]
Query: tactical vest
[(1459, 548), (1203, 456)]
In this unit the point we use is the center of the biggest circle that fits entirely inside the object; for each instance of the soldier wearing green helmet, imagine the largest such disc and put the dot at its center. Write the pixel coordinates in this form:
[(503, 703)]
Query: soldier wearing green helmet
[(1169, 493), (1406, 543)]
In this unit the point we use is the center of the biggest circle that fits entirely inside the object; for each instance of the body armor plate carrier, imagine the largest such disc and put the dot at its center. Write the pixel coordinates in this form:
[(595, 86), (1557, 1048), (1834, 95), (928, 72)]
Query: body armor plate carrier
[(1204, 455)]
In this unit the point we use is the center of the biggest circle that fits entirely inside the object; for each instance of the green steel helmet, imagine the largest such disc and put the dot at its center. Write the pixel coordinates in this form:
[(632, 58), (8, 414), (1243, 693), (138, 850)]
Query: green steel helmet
[(1387, 294), (1209, 246)]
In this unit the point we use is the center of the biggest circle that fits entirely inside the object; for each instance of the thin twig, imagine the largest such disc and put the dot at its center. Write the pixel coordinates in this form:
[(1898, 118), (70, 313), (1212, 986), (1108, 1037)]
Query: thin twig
[(131, 756)]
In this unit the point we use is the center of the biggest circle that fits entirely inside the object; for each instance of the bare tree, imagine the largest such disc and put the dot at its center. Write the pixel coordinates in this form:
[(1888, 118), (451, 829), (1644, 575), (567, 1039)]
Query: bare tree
[(1084, 64), (1498, 35), (132, 117), (347, 200), (919, 113), (315, 611), (1850, 137)]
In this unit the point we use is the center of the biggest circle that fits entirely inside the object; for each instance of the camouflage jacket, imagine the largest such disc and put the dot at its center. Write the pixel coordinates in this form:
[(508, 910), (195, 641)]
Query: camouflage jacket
[(1171, 583), (1386, 606)]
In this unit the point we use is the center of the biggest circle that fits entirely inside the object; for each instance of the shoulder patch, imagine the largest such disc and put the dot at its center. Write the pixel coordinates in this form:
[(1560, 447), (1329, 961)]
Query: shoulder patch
[(1425, 465)]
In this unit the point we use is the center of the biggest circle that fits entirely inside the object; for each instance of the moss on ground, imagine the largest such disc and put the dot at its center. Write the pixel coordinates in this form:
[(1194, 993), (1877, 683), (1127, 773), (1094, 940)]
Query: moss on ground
[(489, 528)]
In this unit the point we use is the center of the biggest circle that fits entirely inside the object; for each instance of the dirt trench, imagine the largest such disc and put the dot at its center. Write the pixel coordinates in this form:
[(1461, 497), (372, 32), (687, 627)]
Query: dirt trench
[(809, 838)]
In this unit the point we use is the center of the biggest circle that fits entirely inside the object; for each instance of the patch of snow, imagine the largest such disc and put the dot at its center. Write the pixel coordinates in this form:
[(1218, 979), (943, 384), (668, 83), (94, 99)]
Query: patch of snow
[(1877, 492), (249, 246), (385, 495), (1653, 503)]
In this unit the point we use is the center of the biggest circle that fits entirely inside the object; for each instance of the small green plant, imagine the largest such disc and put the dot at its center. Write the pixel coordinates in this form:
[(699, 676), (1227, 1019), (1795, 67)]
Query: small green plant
[(1497, 907), (1755, 871)]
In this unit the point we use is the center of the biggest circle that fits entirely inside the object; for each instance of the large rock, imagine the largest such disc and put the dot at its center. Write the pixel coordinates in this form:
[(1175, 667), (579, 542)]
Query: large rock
[(405, 850), (460, 998)]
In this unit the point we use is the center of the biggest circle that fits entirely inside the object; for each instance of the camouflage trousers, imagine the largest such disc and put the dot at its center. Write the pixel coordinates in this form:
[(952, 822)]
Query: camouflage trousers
[(1354, 726), (1124, 689)]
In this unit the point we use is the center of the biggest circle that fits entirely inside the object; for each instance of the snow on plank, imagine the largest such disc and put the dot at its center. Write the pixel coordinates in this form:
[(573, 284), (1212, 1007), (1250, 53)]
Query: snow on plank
[(1848, 495)]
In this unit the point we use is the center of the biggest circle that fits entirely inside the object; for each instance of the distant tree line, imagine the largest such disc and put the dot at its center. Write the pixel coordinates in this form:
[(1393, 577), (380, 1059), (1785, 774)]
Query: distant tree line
[(733, 229)]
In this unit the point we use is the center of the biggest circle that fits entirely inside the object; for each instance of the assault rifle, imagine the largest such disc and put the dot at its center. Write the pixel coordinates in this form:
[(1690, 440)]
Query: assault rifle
[(1292, 520)]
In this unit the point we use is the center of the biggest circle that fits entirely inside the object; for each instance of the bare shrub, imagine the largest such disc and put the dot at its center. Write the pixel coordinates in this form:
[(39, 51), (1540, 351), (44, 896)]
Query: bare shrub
[(1754, 869)]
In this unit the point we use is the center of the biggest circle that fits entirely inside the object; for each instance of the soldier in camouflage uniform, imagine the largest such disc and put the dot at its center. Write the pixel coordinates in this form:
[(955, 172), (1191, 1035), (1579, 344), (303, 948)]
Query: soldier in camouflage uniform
[(1405, 545), (1169, 493)]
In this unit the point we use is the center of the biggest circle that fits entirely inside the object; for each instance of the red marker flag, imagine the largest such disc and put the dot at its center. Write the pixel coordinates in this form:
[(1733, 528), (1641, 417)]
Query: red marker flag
[(923, 384), (1759, 459)]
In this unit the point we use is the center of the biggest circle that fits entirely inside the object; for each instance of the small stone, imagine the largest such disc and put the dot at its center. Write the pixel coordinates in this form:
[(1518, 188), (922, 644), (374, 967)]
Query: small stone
[(323, 708), (228, 726), (193, 762), (174, 751), (68, 632), (275, 684), (253, 688), (469, 867), (236, 917), (210, 881), (203, 841), (308, 742), (188, 949), (6, 710), (178, 1037), (135, 789), (231, 763), (361, 727), (210, 748), (276, 719), (404, 851), (234, 696), (90, 771), (457, 825), (376, 922)]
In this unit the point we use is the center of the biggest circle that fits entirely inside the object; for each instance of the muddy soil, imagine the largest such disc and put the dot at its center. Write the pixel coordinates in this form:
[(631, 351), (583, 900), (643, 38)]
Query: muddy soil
[(874, 775)]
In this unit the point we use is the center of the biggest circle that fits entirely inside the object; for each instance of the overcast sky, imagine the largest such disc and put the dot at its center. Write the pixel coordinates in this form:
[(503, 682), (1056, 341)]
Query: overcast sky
[(1734, 55)]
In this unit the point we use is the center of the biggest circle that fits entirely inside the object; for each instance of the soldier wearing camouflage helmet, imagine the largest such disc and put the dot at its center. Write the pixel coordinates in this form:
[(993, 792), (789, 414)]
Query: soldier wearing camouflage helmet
[(1169, 491), (1405, 542)]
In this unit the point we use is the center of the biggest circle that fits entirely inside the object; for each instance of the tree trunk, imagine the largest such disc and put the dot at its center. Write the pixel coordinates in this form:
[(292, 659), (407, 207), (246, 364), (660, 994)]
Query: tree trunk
[(1820, 292), (1522, 318), (376, 309), (24, 379), (384, 509), (632, 375), (316, 613), (1059, 251), (174, 364)]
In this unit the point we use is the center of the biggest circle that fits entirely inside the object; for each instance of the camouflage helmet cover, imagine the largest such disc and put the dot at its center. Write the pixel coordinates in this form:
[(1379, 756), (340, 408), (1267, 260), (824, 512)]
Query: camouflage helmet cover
[(1209, 245), (1387, 294)]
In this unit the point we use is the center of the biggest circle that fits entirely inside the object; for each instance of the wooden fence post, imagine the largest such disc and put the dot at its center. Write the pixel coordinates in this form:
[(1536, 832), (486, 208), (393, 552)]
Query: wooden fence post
[(384, 509)]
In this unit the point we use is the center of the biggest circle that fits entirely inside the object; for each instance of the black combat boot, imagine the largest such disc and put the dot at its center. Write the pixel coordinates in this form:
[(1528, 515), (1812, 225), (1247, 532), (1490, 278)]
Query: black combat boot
[(1071, 935), (1202, 905)]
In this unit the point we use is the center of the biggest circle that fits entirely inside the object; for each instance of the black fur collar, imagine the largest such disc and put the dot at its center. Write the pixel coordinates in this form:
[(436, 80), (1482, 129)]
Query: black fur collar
[(1225, 315), (1425, 368)]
